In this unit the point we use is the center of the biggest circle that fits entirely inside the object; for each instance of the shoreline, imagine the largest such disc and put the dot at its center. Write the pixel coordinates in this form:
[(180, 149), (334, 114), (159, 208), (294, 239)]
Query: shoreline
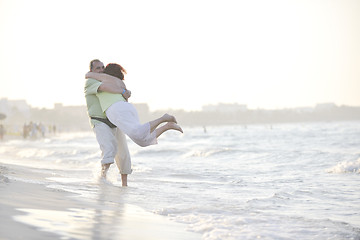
[(31, 210)]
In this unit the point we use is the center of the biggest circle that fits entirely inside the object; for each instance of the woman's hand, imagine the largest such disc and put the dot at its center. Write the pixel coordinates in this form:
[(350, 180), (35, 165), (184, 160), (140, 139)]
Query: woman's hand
[(127, 94)]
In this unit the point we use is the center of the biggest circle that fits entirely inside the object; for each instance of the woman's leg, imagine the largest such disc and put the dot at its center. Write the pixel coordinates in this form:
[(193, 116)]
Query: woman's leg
[(165, 118), (168, 126), (125, 117)]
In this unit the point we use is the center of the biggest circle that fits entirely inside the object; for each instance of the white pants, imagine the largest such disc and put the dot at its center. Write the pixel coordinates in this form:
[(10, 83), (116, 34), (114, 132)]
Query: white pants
[(113, 144), (125, 117)]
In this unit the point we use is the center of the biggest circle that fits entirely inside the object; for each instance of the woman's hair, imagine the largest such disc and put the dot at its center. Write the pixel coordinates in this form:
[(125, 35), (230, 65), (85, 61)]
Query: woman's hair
[(115, 70)]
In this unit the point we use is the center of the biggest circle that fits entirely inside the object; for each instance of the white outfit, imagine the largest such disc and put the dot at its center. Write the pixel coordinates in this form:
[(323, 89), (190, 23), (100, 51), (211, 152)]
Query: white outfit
[(113, 144), (125, 117), (122, 158)]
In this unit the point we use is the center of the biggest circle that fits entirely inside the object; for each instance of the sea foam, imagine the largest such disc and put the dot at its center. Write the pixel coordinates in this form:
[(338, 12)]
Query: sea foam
[(346, 167)]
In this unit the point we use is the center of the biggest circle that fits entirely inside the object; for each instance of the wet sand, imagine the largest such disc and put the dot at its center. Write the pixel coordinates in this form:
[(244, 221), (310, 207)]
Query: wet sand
[(29, 210)]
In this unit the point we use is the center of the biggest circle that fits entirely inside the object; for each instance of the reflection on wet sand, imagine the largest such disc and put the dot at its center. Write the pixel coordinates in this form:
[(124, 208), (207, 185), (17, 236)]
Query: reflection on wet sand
[(108, 218)]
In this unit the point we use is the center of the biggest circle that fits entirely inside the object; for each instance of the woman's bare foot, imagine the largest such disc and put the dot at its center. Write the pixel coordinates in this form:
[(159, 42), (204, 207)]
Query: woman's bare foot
[(174, 126), (169, 118), (166, 127)]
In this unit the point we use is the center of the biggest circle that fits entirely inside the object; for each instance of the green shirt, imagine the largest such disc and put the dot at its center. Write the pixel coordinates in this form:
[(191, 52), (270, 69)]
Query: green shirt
[(92, 101), (107, 99)]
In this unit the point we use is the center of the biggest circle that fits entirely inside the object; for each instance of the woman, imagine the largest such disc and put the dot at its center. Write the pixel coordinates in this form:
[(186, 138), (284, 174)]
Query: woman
[(124, 115)]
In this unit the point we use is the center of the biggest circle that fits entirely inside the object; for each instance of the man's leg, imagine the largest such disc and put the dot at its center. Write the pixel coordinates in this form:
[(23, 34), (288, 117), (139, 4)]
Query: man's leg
[(122, 158), (124, 180), (105, 169), (107, 142)]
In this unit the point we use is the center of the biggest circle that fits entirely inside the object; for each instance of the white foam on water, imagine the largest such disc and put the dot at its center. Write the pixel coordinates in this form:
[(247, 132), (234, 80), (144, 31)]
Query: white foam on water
[(346, 167), (229, 183)]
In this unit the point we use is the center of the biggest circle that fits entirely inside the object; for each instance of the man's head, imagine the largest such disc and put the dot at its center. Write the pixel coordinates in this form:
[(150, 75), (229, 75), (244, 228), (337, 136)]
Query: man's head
[(96, 66)]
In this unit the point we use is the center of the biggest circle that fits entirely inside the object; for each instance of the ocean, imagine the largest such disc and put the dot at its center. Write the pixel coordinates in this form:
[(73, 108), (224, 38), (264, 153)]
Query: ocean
[(280, 181)]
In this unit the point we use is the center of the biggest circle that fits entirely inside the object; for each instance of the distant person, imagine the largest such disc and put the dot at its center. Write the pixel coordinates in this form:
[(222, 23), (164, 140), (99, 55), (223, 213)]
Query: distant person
[(112, 141), (26, 130), (41, 128), (33, 130), (2, 132), (124, 115)]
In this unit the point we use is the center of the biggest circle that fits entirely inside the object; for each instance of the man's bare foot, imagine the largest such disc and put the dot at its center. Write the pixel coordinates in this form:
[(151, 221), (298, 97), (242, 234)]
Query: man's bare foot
[(124, 180), (169, 118), (174, 126), (105, 169)]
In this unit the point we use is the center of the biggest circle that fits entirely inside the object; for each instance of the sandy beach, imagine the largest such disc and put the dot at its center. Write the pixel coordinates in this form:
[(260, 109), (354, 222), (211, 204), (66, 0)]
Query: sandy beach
[(33, 211)]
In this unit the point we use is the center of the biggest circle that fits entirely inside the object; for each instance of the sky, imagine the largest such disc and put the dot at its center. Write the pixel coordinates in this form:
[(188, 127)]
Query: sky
[(184, 54)]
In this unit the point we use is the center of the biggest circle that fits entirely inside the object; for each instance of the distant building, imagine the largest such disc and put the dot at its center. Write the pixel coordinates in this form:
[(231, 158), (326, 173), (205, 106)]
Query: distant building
[(225, 108), (58, 106), (14, 107), (304, 109), (325, 106)]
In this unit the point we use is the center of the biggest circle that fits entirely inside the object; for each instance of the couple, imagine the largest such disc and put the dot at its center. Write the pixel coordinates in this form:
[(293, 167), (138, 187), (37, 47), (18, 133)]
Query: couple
[(106, 97)]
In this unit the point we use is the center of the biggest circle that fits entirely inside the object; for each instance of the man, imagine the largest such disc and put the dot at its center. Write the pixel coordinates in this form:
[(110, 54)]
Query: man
[(111, 140)]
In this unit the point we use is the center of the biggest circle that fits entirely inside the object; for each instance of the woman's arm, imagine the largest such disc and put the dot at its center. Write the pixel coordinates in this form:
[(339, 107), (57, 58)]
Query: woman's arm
[(105, 78), (110, 87), (114, 88)]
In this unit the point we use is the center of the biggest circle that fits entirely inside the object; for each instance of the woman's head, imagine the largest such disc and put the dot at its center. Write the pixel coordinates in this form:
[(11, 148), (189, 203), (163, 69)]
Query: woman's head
[(115, 70)]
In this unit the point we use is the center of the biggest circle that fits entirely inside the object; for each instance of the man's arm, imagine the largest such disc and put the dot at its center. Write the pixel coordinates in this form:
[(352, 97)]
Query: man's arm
[(105, 78), (110, 84), (93, 86)]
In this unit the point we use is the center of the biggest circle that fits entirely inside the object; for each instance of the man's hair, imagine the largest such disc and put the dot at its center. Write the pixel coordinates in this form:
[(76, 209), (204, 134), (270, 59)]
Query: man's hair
[(115, 70), (92, 63)]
